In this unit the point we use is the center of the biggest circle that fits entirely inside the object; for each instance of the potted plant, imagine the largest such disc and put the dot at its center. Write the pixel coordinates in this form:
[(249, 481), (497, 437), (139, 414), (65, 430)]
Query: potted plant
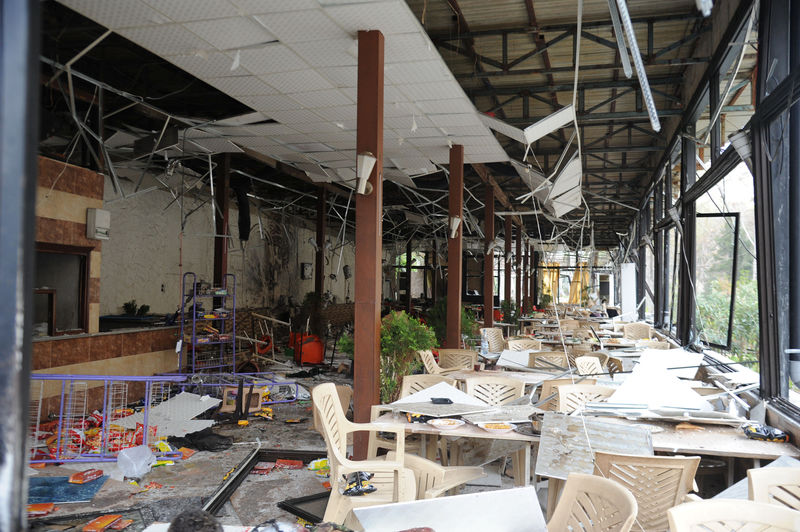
[(437, 318), (401, 337)]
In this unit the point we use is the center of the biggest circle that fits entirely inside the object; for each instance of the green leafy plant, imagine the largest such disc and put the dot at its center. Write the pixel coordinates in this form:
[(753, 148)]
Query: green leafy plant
[(509, 309), (143, 310), (130, 307), (545, 300), (437, 319), (401, 337)]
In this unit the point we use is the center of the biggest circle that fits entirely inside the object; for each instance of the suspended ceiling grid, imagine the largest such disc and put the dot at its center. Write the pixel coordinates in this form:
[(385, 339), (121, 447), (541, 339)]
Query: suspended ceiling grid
[(295, 62)]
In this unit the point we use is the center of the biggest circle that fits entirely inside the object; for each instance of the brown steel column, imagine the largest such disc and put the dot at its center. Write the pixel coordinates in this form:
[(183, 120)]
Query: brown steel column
[(369, 231), (488, 260), (319, 267), (507, 265), (222, 198), (525, 303), (454, 252), (531, 278), (518, 261), (408, 276), (435, 274)]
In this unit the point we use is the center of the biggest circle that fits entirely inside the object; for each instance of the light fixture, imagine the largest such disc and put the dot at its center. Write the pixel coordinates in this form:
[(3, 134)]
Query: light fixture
[(455, 221), (365, 163)]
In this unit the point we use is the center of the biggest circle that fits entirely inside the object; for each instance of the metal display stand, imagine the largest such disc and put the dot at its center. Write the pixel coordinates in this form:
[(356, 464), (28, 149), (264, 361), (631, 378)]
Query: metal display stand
[(205, 349)]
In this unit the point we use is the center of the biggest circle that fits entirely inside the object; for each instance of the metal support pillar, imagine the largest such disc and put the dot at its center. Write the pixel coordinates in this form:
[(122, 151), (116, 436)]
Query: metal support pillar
[(408, 276), (222, 199), (658, 259), (454, 252), (641, 264), (526, 303), (435, 272), (686, 307), (319, 258), (531, 277), (488, 259), (715, 129), (369, 232), (535, 279), (19, 105), (507, 263), (518, 262)]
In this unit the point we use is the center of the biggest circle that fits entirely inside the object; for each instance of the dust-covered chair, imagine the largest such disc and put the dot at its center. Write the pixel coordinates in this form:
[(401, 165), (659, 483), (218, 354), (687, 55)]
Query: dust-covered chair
[(588, 365), (775, 485), (637, 331), (415, 383), (732, 515), (494, 337), (548, 394), (656, 344), (525, 344), (394, 481), (574, 396), (494, 390), (458, 358), (431, 366), (548, 360), (345, 394), (614, 366), (657, 482), (593, 504), (433, 480)]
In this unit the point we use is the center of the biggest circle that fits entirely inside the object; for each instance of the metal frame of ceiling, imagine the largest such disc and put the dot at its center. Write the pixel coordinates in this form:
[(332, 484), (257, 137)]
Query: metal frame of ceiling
[(514, 61)]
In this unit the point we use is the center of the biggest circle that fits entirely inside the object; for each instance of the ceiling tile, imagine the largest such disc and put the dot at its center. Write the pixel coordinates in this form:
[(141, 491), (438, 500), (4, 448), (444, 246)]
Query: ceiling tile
[(297, 81), (269, 102), (341, 163), (341, 76), (231, 33), (343, 112), (333, 52), (407, 122), (256, 7), (429, 91), (388, 17), (324, 98), (254, 142), (417, 72), (400, 48), (216, 145), (453, 120), (315, 127), (271, 58), (299, 26), (454, 105), (241, 85), (205, 65), (116, 14), (295, 116), (189, 10), (270, 129), (167, 39)]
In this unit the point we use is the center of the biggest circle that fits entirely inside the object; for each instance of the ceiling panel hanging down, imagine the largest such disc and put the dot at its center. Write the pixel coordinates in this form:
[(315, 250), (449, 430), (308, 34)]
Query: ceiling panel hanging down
[(295, 63)]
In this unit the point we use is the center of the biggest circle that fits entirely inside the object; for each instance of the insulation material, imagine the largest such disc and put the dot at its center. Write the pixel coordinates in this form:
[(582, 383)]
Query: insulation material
[(174, 416), (679, 362)]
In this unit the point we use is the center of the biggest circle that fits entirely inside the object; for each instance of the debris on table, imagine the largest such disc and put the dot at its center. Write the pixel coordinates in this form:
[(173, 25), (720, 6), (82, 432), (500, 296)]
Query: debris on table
[(82, 477), (40, 509), (101, 523)]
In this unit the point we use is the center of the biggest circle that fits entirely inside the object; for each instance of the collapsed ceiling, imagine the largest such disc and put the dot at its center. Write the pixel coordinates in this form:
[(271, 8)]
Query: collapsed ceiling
[(271, 84)]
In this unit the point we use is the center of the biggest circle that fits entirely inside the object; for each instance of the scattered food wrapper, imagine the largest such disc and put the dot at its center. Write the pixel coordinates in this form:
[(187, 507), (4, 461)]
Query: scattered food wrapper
[(757, 431), (186, 452), (122, 524), (281, 463), (357, 484), (40, 509), (98, 524), (82, 477)]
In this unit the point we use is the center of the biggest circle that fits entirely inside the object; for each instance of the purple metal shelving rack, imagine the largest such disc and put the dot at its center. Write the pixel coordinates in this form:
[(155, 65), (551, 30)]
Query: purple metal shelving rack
[(69, 388), (191, 349)]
